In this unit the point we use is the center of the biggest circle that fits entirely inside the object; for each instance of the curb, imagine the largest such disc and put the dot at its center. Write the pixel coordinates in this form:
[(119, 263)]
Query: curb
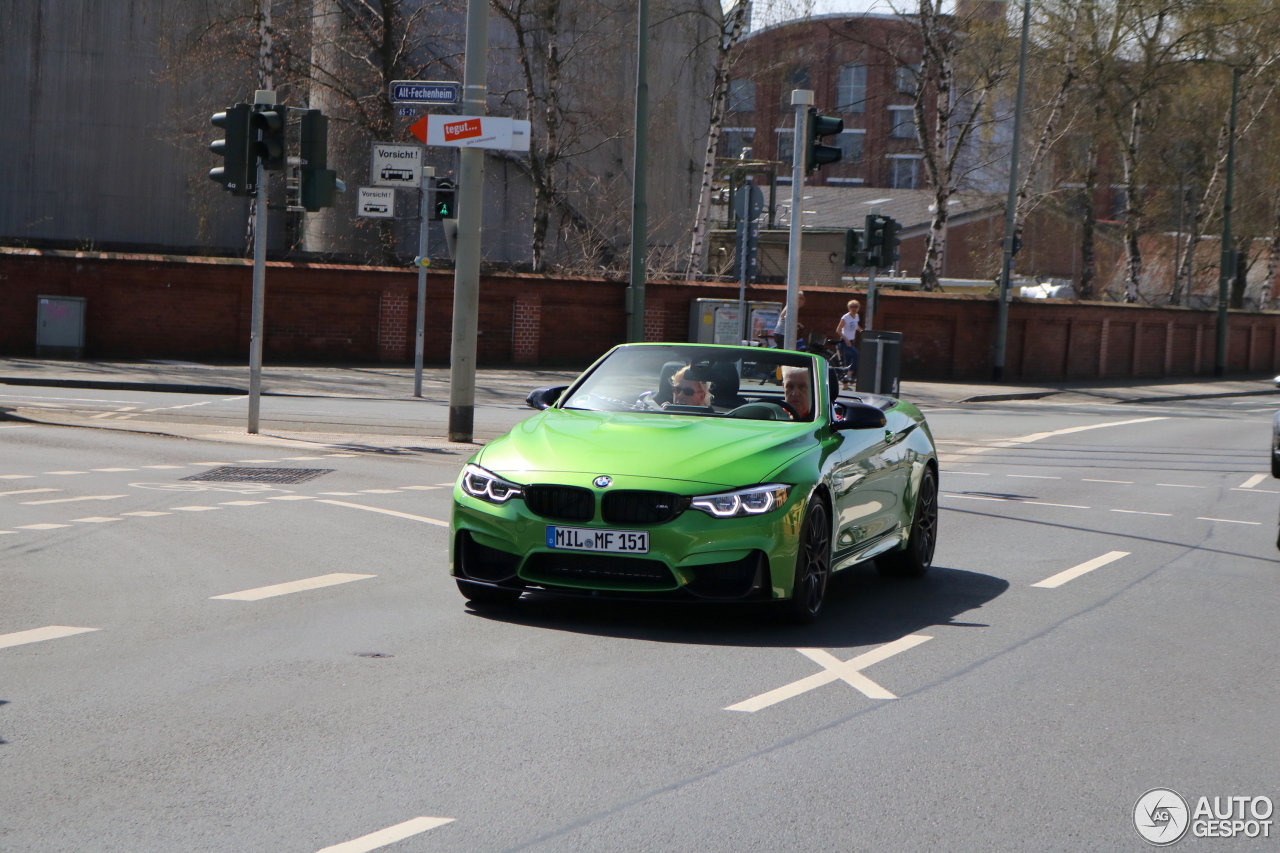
[(108, 385)]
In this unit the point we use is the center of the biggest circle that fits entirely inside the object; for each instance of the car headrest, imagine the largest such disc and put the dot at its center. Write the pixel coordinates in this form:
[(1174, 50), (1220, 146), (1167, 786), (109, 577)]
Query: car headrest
[(724, 379)]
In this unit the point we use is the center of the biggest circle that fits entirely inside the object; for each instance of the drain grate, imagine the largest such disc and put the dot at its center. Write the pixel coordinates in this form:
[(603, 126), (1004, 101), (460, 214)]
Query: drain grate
[(234, 474)]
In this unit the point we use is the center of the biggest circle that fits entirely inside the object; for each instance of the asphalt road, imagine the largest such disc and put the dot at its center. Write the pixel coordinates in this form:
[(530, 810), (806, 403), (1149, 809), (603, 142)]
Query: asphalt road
[(1037, 711)]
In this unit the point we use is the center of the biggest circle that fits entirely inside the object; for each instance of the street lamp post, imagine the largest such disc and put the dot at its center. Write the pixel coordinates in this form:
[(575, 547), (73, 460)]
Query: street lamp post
[(1011, 207), (1226, 262)]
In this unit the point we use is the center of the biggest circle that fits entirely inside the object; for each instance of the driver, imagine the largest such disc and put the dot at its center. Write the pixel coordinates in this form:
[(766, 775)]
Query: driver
[(795, 390), (688, 392)]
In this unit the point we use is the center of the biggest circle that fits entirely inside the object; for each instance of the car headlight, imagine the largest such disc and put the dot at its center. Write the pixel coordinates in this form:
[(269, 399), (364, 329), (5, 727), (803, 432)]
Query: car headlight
[(488, 486), (756, 500)]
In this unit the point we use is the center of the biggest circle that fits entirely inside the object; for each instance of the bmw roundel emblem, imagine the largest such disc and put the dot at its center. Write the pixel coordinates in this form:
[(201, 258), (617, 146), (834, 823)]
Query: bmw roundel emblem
[(603, 481)]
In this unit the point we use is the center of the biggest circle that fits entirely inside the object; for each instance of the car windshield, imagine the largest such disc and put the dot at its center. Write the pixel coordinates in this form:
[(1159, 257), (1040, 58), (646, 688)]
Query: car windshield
[(740, 382)]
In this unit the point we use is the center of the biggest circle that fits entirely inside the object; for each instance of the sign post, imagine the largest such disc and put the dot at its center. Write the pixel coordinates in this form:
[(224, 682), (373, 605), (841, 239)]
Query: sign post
[(423, 261), (260, 98)]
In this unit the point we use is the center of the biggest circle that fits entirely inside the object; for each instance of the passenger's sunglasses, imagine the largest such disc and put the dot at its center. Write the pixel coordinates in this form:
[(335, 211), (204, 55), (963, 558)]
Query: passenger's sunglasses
[(686, 390)]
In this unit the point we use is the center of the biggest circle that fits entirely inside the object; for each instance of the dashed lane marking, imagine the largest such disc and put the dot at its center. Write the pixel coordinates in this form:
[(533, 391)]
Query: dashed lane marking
[(342, 494), (258, 461), (293, 586), (192, 508), (1121, 482), (1142, 512), (66, 472), (161, 466), (1064, 506), (96, 519), (390, 835), (1253, 481), (301, 458), (291, 498), (421, 488), (73, 500), (976, 498), (41, 526), (340, 455), (444, 484), (968, 473), (1037, 436), (1258, 491), (378, 491), (145, 513), (16, 476), (241, 503), (28, 492), (421, 518), (207, 464), (1055, 581), (1179, 486), (37, 635), (834, 669), (1226, 520), (115, 469), (1034, 477)]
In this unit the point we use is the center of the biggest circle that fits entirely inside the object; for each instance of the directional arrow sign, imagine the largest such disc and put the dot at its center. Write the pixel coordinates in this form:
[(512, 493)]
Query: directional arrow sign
[(473, 132)]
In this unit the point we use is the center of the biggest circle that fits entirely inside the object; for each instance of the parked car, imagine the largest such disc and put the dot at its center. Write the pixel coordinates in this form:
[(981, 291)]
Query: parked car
[(684, 471)]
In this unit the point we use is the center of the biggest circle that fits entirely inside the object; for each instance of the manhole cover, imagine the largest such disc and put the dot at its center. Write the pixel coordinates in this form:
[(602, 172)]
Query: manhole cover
[(234, 474)]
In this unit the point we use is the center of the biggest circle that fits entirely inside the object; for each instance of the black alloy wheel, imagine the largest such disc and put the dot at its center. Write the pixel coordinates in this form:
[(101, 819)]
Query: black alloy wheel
[(813, 565), (478, 593), (916, 558)]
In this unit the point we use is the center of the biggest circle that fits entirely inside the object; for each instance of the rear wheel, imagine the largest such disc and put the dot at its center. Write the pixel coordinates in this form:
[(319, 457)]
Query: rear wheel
[(915, 559), (478, 593), (813, 565)]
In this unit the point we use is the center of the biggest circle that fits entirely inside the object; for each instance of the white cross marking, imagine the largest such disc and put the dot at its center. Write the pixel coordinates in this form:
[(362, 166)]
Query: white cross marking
[(834, 669)]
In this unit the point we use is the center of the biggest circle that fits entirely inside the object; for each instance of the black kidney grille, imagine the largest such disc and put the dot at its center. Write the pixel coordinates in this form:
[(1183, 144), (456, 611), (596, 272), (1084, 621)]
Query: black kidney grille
[(597, 567), (568, 503), (636, 507)]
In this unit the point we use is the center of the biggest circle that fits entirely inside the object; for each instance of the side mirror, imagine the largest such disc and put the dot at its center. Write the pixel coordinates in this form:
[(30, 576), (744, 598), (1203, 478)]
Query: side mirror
[(859, 416), (541, 398)]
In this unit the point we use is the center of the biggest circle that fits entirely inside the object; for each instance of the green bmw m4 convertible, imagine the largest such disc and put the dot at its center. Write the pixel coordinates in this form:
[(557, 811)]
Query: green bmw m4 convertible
[(697, 472)]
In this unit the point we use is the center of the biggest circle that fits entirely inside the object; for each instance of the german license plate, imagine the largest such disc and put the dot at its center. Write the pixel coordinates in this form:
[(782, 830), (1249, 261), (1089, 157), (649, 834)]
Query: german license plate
[(587, 539)]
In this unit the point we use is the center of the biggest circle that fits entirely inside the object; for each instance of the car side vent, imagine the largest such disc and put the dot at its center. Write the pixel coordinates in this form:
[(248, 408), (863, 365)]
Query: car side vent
[(637, 507), (567, 503)]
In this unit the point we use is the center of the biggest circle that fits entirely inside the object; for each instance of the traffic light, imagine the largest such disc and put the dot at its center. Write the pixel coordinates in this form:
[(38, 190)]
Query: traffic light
[(819, 154), (889, 253), (873, 236), (239, 170), (445, 206), (270, 120), (319, 184), (854, 255)]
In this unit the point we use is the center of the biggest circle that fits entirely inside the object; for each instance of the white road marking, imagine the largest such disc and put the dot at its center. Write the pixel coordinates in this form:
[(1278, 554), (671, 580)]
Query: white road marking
[(1179, 486), (115, 469), (1226, 520), (422, 518), (301, 458), (1037, 436), (1122, 482), (41, 526), (949, 473), (28, 492), (145, 513), (96, 519), (340, 455), (1060, 578), (1253, 481), (16, 476), (835, 669), (973, 497), (101, 415), (292, 498), (241, 503), (258, 461), (192, 508), (378, 491), (293, 586), (420, 488), (66, 472), (1064, 506), (342, 494), (1140, 512), (206, 464), (73, 500), (445, 484), (161, 466), (1033, 477), (390, 835), (36, 635), (1255, 491)]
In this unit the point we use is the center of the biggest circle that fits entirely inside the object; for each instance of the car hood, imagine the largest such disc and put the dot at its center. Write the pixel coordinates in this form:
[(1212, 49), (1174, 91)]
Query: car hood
[(724, 452)]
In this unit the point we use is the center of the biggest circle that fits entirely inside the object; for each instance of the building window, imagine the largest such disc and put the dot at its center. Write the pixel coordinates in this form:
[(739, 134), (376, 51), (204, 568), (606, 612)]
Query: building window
[(904, 173), (742, 96), (734, 140), (850, 144), (786, 152), (796, 78), (906, 78), (851, 89), (902, 122)]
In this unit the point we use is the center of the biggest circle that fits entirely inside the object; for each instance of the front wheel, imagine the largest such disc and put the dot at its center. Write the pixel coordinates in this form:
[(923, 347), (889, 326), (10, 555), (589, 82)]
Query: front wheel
[(478, 593), (914, 560), (813, 566)]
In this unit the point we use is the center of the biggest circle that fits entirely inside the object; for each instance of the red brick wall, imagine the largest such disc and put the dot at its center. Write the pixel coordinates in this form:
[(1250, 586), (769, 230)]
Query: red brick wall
[(526, 328), (153, 307)]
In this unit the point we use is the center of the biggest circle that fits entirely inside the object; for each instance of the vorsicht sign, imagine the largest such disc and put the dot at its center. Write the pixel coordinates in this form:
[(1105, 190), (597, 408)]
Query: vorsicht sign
[(395, 165)]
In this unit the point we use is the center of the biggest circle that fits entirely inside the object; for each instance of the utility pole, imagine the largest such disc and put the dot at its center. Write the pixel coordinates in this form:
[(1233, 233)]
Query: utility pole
[(423, 260), (266, 98), (1011, 206), (1227, 260), (640, 175), (802, 100), (470, 198)]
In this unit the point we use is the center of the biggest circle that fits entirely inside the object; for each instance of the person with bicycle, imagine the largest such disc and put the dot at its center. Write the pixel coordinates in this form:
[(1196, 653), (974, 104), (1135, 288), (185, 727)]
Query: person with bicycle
[(780, 328), (846, 330)]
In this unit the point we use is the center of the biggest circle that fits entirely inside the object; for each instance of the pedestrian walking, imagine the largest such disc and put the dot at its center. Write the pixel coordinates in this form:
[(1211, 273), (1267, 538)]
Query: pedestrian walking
[(846, 331)]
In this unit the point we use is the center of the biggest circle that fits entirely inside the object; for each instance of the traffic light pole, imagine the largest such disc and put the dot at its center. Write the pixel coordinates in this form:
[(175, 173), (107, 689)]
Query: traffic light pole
[(640, 175), (259, 299), (871, 297), (801, 99), (470, 199), (1011, 208), (425, 211)]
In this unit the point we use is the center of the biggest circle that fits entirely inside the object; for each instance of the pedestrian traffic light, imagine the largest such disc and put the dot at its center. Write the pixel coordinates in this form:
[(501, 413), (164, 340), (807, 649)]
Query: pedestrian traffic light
[(889, 253), (270, 121), (319, 184), (445, 206), (854, 254), (819, 154), (238, 172)]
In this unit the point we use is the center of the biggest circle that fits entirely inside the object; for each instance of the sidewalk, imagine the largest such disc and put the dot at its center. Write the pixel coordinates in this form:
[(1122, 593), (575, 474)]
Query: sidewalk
[(498, 386)]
